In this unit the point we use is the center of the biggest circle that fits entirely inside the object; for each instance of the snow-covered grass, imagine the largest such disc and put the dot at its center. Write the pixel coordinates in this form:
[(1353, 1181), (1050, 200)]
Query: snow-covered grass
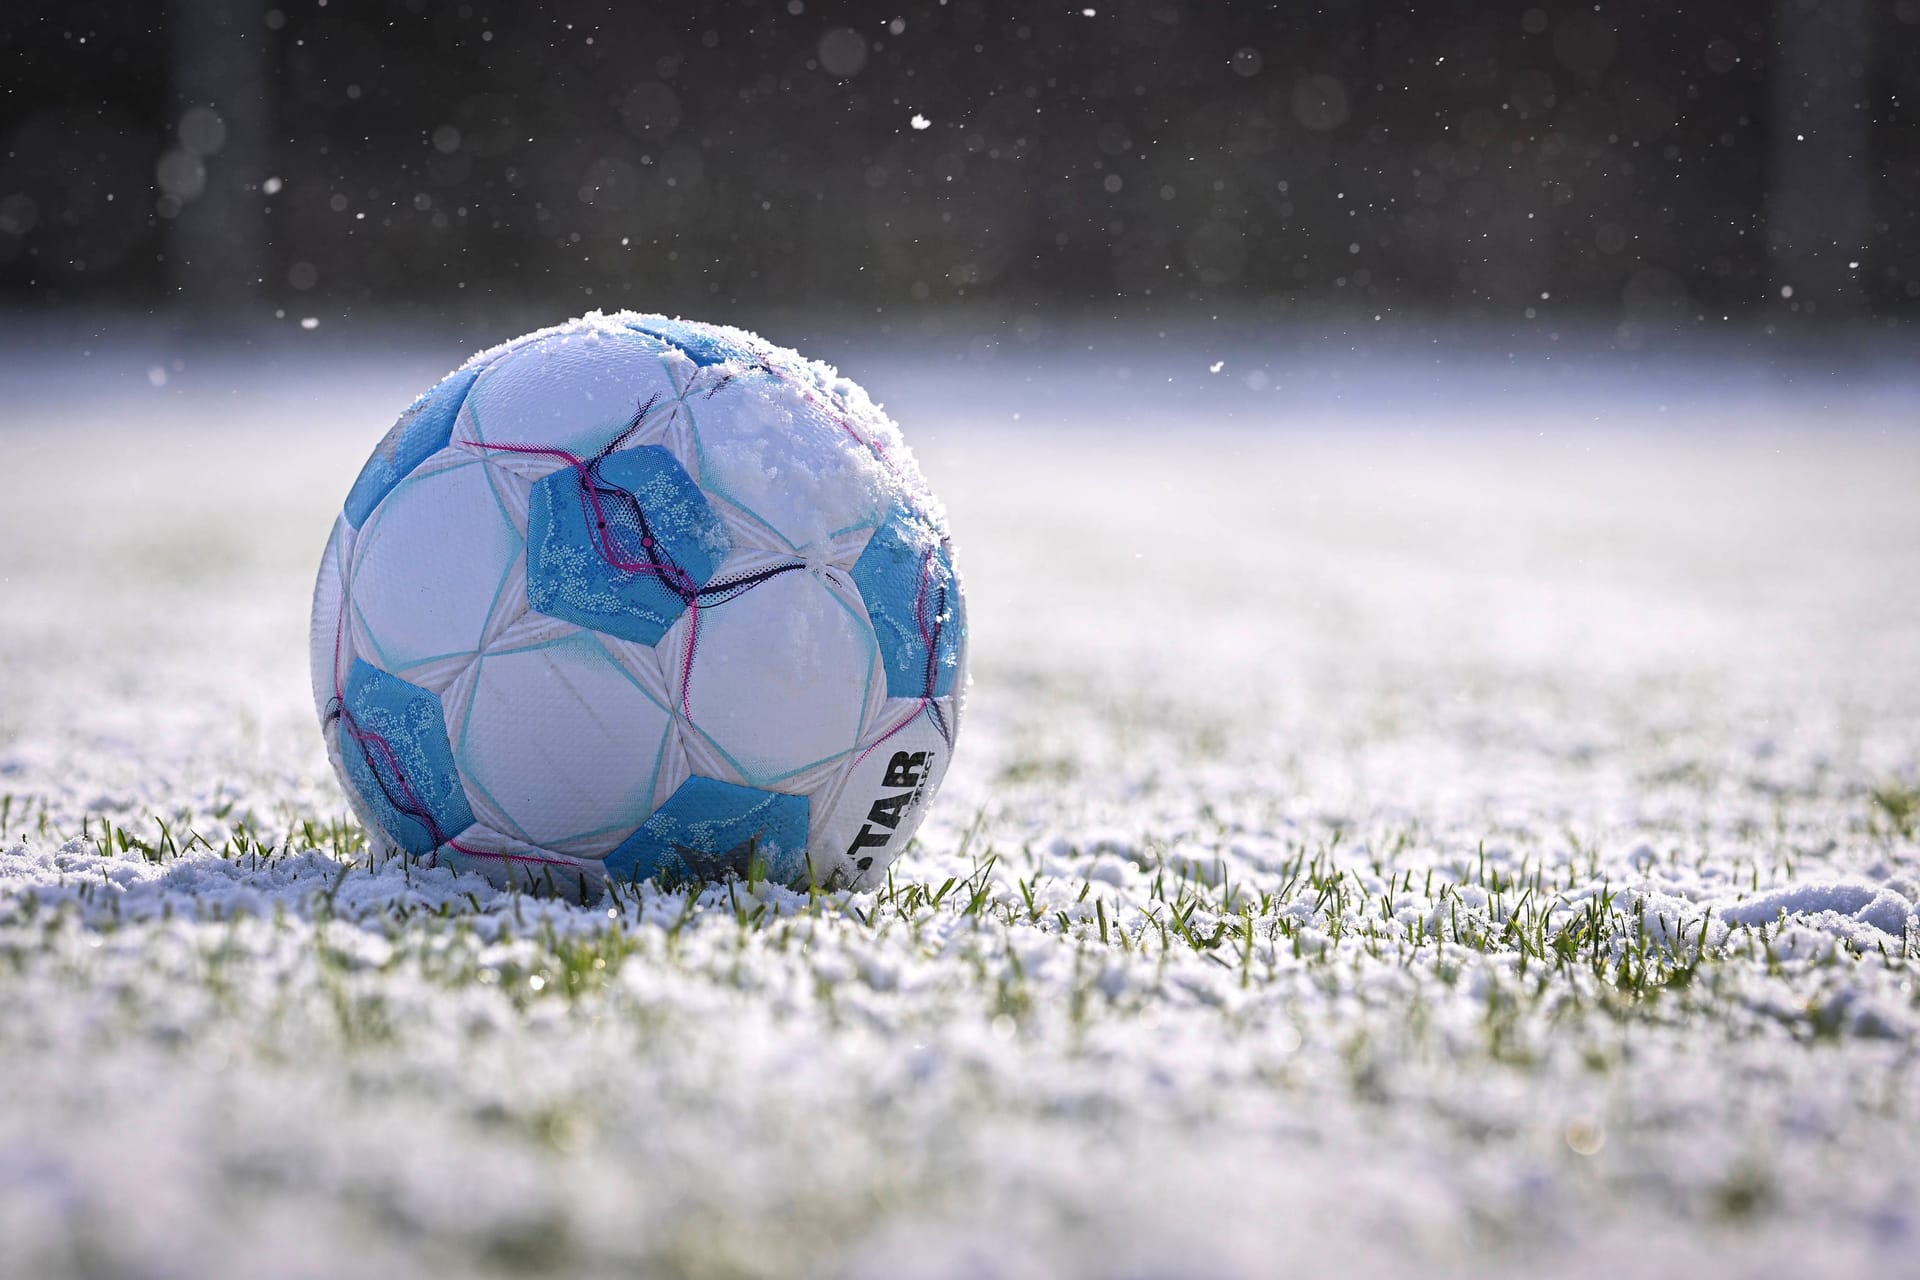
[(1375, 846)]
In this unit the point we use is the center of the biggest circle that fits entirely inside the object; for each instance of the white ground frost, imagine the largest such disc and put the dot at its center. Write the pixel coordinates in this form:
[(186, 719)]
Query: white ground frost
[(1385, 841)]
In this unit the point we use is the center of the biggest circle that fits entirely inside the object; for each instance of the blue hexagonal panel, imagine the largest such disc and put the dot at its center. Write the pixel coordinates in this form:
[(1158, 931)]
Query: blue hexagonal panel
[(709, 830), (906, 578), (704, 344), (621, 543), (393, 740), (422, 431)]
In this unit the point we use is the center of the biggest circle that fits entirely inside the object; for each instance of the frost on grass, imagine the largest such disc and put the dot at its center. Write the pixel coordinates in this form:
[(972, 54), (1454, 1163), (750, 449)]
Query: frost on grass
[(1494, 857)]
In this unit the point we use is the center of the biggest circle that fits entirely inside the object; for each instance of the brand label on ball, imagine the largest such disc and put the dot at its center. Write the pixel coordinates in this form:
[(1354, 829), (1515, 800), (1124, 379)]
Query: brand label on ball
[(905, 778)]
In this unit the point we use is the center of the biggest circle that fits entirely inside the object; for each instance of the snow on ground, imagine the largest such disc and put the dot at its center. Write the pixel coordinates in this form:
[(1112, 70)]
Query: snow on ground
[(1391, 831)]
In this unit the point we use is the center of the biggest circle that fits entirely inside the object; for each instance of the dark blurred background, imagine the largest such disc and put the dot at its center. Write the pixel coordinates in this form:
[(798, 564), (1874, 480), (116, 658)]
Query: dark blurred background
[(1646, 167)]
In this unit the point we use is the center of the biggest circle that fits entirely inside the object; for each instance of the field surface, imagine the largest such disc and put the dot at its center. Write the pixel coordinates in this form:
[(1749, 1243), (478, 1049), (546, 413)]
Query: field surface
[(1413, 817)]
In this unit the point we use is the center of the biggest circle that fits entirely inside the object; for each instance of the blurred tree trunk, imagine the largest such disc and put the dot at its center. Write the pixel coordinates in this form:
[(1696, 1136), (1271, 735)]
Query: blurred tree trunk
[(1820, 190), (221, 63)]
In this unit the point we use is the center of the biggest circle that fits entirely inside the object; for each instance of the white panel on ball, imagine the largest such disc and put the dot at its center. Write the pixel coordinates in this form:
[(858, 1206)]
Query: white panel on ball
[(503, 858), (573, 389), (563, 743), (779, 675), (429, 564), (331, 647)]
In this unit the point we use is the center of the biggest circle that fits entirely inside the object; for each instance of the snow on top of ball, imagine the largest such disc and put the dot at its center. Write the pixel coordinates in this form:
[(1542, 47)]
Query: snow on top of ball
[(803, 446)]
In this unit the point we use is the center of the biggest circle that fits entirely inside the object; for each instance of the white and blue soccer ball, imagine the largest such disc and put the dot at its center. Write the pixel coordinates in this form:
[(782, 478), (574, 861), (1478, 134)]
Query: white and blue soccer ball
[(641, 599)]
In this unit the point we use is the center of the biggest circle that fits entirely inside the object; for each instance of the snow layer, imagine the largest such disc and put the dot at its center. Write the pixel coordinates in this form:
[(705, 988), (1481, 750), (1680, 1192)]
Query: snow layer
[(1474, 849)]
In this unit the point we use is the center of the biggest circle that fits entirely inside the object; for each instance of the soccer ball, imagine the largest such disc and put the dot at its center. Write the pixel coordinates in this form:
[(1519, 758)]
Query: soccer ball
[(641, 599)]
